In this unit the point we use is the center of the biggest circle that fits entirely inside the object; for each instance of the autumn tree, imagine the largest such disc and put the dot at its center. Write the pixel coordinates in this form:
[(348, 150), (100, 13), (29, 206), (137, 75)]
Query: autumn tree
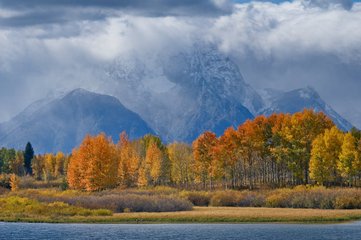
[(76, 168), (324, 156), (357, 163), (59, 166), (16, 165), (226, 154), (38, 166), (182, 162), (14, 182), (49, 166), (305, 127), (246, 135), (153, 161), (279, 149), (203, 151), (93, 166), (143, 177), (7, 157), (347, 157), (356, 133), (145, 143), (128, 160)]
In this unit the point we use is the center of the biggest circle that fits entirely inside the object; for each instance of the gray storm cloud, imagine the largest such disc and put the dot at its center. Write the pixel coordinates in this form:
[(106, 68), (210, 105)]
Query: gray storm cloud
[(140, 7), (47, 46), (346, 4)]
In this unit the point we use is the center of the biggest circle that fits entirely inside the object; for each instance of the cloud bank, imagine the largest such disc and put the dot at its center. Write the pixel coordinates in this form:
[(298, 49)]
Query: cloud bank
[(50, 45)]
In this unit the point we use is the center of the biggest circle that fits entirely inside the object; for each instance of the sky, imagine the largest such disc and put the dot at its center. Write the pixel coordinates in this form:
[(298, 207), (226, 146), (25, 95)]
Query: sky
[(57, 45)]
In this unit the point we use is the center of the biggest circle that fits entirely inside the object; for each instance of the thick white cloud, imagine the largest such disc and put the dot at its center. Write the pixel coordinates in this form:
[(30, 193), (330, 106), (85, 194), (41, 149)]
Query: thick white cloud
[(290, 30), (288, 45)]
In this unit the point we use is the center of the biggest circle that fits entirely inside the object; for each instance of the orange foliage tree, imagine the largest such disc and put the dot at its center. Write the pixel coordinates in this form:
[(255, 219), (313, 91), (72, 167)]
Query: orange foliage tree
[(204, 160), (93, 166)]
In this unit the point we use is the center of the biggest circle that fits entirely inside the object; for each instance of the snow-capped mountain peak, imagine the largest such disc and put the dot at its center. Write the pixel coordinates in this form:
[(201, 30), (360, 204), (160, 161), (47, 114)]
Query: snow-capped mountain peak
[(296, 100)]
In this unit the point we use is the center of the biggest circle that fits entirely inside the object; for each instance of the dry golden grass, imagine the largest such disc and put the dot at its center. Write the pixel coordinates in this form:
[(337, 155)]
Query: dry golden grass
[(236, 214), (214, 215)]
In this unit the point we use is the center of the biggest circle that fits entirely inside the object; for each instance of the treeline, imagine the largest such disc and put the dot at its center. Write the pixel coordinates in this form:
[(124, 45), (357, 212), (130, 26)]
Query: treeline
[(16, 162), (44, 167), (100, 164), (50, 166), (276, 151), (281, 150)]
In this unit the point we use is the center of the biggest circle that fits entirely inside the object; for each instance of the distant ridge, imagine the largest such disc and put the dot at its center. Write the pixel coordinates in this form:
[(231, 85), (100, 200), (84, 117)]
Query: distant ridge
[(297, 100), (63, 122)]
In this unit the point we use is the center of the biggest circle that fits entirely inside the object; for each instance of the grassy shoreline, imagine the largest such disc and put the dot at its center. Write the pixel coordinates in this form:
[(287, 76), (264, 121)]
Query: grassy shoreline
[(207, 215)]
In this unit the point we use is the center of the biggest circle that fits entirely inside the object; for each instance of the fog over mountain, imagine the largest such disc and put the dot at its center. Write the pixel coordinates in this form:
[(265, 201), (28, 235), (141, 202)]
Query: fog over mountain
[(184, 94), (179, 97), (182, 64)]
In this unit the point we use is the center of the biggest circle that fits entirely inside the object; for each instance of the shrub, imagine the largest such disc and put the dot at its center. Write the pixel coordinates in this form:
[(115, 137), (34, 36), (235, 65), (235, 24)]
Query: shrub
[(131, 202), (28, 182), (5, 181), (18, 206), (348, 200), (251, 199), (197, 198), (158, 190), (279, 198), (3, 190), (116, 202), (226, 199), (239, 199)]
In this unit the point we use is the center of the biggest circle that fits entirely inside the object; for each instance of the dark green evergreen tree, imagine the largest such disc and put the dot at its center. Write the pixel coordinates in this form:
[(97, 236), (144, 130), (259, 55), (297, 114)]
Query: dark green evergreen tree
[(28, 157)]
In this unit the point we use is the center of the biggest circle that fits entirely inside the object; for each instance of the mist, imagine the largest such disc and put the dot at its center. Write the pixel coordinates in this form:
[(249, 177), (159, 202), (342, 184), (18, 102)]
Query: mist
[(49, 47)]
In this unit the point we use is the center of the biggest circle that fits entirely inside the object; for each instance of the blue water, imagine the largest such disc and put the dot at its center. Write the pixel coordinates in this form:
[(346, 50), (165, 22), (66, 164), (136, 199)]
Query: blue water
[(347, 231)]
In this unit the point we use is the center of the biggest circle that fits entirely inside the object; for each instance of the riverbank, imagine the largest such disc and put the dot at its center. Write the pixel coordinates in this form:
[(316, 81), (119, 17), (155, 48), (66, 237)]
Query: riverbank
[(206, 215)]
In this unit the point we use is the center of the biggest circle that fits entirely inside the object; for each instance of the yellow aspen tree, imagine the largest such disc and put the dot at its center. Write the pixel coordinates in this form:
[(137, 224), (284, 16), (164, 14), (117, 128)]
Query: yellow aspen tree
[(165, 174), (142, 176), (305, 127), (319, 169), (357, 163), (38, 166), (49, 166), (347, 157), (182, 163), (153, 160), (128, 162), (59, 164), (324, 156)]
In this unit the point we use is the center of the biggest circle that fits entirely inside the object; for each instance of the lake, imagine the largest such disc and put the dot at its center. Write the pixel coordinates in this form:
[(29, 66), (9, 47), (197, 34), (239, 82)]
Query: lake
[(347, 231)]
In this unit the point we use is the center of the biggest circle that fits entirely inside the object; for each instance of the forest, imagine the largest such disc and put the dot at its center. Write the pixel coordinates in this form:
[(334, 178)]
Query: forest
[(299, 160), (281, 150)]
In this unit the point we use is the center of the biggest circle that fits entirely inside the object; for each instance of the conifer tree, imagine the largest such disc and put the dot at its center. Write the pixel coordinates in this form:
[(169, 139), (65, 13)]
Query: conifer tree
[(28, 157)]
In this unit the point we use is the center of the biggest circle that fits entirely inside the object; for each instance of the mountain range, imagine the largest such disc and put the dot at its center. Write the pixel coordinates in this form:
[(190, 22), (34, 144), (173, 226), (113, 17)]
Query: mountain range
[(176, 97), (60, 124)]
